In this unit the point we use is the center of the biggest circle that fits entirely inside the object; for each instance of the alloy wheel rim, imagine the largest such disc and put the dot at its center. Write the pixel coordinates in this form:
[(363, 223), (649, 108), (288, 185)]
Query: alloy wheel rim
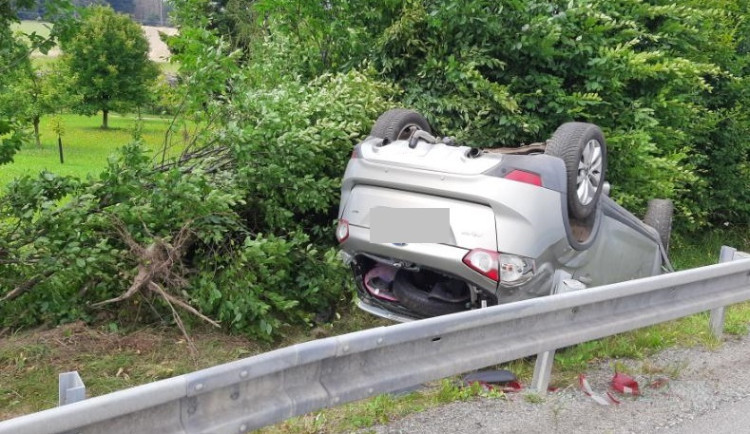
[(589, 172)]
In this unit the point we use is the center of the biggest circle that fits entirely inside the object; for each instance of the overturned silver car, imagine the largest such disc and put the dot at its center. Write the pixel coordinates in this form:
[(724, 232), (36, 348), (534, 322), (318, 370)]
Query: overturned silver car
[(430, 227)]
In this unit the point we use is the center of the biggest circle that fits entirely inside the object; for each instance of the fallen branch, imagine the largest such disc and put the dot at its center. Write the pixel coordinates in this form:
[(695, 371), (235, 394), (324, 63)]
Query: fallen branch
[(160, 266), (26, 286)]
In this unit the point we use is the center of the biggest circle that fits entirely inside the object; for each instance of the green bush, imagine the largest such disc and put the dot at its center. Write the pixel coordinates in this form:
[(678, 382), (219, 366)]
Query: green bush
[(240, 227), (499, 73), (292, 143), (247, 243)]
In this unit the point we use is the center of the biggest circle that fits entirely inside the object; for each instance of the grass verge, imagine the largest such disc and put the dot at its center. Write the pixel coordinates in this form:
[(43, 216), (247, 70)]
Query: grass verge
[(109, 359)]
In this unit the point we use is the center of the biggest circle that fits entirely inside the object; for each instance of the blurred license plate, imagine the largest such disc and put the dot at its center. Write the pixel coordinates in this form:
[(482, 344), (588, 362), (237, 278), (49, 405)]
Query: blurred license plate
[(410, 225)]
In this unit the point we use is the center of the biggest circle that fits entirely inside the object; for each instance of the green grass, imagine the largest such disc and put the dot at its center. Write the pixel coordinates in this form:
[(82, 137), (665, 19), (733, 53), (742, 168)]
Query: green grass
[(47, 61), (168, 67), (85, 145), (31, 362), (28, 27), (40, 62), (110, 358)]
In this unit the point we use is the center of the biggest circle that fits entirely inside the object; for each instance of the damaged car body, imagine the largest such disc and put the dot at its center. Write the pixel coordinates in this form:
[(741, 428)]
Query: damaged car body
[(430, 227)]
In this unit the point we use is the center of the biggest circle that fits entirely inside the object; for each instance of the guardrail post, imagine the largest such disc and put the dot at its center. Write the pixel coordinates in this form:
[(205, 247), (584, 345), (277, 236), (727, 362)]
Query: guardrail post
[(716, 321), (70, 388), (542, 371)]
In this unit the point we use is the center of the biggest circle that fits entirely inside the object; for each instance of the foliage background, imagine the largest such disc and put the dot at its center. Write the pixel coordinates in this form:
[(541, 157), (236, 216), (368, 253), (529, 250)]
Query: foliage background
[(279, 92)]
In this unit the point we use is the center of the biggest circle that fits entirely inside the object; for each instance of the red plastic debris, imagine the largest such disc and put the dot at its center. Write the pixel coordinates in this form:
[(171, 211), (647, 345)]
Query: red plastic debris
[(612, 398), (512, 386), (624, 383)]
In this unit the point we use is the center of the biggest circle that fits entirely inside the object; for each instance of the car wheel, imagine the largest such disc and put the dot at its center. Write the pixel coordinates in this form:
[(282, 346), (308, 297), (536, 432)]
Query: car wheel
[(581, 146), (419, 301), (399, 124), (659, 216)]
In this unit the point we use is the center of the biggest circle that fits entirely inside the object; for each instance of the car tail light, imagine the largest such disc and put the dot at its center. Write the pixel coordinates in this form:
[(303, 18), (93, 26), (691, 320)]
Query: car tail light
[(483, 261), (526, 177), (509, 270), (512, 268), (342, 230)]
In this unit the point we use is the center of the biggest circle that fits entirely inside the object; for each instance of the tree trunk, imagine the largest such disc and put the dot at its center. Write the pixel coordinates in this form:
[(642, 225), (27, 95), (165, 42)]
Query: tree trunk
[(59, 148), (36, 131), (105, 119)]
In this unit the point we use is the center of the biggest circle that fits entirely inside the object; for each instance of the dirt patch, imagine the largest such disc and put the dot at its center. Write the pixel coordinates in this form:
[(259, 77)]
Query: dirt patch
[(158, 50)]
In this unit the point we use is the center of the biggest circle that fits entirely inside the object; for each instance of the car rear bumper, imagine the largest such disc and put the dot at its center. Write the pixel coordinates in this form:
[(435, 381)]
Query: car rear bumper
[(437, 257), (372, 308)]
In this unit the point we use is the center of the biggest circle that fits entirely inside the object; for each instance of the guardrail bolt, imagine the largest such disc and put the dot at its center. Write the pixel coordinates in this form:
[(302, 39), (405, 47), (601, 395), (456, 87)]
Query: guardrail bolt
[(380, 340), (192, 406), (243, 427), (243, 374), (199, 387)]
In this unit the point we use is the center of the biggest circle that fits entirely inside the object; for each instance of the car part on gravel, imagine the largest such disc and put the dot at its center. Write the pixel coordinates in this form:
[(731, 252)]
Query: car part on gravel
[(581, 146), (659, 216)]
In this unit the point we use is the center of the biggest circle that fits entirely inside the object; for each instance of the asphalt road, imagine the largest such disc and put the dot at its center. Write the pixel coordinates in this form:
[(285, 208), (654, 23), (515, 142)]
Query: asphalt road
[(730, 419)]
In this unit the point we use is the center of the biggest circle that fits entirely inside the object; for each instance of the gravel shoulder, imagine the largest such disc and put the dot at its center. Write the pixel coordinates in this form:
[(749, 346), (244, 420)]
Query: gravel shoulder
[(704, 388)]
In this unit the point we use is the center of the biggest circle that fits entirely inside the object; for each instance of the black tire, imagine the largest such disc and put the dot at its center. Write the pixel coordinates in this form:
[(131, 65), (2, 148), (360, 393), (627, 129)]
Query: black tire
[(659, 216), (582, 148), (419, 301), (399, 124)]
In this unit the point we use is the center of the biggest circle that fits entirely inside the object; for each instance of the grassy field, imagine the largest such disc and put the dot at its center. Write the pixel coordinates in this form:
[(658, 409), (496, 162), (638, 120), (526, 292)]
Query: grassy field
[(48, 61), (85, 145), (41, 28)]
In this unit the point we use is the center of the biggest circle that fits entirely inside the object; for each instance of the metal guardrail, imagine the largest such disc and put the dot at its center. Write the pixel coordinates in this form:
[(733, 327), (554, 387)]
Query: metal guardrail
[(254, 392)]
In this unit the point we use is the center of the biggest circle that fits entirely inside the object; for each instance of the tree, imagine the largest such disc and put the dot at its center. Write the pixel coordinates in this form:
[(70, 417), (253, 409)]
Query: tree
[(15, 64), (13, 53), (36, 92), (109, 58)]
